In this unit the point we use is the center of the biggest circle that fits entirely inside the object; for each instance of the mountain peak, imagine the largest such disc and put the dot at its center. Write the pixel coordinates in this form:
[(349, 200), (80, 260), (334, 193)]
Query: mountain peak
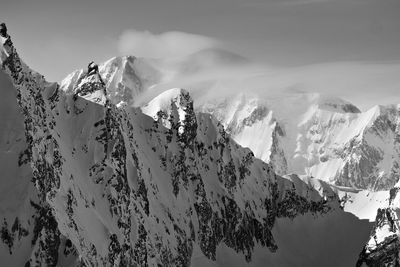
[(336, 104), (125, 78), (92, 88)]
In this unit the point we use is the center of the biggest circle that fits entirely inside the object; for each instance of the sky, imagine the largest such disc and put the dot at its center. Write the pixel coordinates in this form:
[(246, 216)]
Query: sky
[(56, 37)]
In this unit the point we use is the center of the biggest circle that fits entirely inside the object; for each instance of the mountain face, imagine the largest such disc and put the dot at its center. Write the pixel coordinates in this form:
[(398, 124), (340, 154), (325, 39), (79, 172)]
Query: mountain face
[(98, 183), (312, 135)]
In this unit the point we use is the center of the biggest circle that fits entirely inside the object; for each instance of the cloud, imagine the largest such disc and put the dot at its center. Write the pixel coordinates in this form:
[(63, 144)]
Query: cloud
[(364, 84), (214, 73), (165, 45)]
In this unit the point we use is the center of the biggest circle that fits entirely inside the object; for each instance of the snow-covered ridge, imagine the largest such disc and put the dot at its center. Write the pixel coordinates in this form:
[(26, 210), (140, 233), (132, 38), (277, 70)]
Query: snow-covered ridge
[(114, 187)]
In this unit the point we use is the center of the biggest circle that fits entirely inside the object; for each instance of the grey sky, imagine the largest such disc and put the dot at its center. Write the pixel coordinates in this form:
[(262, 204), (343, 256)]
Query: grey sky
[(277, 32), (281, 32)]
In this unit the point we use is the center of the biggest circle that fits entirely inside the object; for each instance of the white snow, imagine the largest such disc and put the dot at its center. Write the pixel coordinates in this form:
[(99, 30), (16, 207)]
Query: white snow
[(364, 204)]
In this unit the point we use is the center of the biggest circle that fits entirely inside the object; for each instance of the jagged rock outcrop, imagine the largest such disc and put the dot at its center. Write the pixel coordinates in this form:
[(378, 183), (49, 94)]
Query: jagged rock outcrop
[(383, 246)]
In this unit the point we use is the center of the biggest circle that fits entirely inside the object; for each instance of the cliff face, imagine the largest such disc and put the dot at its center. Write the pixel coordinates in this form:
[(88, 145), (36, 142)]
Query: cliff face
[(112, 186)]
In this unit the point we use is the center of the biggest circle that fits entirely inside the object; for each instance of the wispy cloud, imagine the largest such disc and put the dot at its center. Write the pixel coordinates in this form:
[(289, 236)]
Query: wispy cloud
[(167, 44), (363, 84)]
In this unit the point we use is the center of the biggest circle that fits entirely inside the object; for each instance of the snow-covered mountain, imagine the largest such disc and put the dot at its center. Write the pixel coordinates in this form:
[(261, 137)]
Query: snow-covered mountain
[(103, 184), (318, 136), (125, 78)]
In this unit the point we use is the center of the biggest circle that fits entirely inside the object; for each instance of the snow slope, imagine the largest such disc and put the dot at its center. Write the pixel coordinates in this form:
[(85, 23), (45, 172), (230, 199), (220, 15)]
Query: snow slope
[(362, 203)]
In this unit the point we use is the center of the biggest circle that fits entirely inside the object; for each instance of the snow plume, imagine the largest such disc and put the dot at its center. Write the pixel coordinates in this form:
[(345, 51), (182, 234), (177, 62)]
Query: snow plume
[(168, 44)]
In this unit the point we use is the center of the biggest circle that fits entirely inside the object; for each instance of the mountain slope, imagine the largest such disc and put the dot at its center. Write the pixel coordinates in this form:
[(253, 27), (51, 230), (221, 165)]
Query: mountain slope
[(118, 188), (26, 221)]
